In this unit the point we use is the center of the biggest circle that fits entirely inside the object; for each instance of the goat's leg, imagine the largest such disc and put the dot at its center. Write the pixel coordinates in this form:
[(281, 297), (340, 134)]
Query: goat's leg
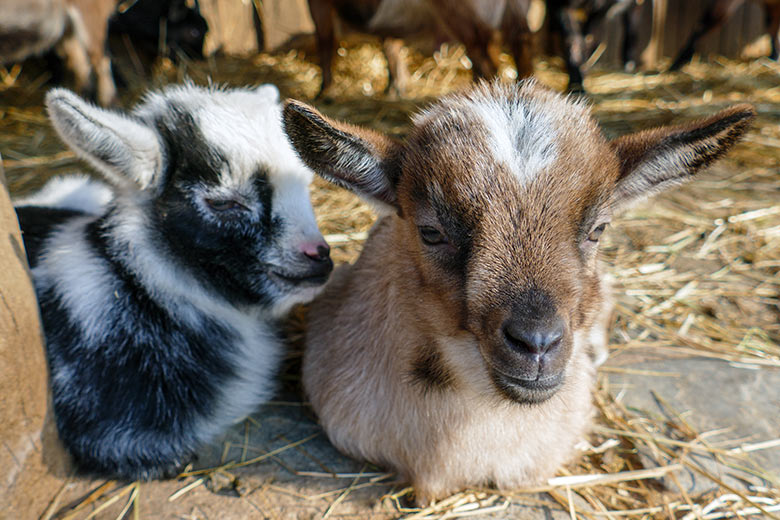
[(517, 34), (397, 72), (713, 18), (773, 23), (101, 64), (574, 47), (106, 89), (631, 18), (74, 53), (322, 16), (461, 23)]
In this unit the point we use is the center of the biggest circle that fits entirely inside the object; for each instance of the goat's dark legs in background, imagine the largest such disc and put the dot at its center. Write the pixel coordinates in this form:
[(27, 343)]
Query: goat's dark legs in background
[(773, 25), (566, 24), (322, 16), (713, 18), (517, 35), (461, 23), (631, 18)]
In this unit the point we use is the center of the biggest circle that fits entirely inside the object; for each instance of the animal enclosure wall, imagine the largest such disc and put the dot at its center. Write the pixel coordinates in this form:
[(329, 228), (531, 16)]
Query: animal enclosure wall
[(283, 19), (678, 19)]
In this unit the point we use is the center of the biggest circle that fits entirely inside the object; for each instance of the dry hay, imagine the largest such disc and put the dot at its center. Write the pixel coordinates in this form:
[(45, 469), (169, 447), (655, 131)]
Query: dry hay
[(698, 274)]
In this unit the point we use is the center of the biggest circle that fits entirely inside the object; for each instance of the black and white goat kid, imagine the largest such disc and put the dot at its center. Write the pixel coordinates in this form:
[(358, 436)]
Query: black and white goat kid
[(160, 298)]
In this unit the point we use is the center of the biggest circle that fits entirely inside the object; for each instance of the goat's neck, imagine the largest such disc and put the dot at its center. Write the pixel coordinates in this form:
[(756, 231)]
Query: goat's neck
[(138, 246)]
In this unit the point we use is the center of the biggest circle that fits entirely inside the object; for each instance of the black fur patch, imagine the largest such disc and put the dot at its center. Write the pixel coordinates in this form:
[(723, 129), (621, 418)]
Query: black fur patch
[(227, 255), (430, 371), (37, 223), (131, 398), (190, 158)]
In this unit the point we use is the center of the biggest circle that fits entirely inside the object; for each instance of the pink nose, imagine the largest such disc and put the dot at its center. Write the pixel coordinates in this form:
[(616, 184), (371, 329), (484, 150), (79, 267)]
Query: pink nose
[(319, 250)]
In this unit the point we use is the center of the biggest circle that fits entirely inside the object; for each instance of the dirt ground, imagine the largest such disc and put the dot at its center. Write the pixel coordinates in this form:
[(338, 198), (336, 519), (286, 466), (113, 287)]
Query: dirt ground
[(697, 277)]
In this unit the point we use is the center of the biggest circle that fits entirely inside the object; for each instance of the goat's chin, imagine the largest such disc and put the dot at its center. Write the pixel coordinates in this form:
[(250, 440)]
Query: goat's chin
[(522, 390), (286, 299)]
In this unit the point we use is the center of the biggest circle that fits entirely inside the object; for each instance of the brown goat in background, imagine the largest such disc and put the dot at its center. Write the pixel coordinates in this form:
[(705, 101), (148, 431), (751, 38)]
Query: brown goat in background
[(76, 28)]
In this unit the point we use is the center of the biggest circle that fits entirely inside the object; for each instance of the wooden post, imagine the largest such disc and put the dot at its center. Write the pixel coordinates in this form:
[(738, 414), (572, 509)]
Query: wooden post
[(284, 19), (231, 27), (34, 463)]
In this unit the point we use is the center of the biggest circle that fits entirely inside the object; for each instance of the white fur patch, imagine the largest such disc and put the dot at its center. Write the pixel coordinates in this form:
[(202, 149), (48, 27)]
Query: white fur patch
[(76, 192), (245, 125), (83, 281), (524, 122), (523, 136)]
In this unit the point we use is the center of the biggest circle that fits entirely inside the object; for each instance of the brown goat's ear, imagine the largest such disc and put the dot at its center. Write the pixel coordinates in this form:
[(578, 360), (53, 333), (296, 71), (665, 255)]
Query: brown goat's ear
[(654, 160), (357, 159)]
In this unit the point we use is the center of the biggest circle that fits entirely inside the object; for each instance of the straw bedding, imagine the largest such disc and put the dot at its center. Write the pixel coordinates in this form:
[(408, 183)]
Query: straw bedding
[(697, 273)]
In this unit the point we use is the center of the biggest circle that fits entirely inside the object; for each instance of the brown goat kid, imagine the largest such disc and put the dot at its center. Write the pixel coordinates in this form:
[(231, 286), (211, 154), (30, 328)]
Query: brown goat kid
[(458, 349)]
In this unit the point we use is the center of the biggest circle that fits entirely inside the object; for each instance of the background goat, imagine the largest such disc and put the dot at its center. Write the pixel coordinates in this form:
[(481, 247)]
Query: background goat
[(716, 15), (179, 22), (159, 299), (473, 23), (476, 25), (76, 28), (455, 350)]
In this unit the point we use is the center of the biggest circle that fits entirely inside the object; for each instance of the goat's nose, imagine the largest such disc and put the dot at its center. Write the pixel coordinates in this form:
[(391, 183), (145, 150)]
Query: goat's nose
[(534, 338), (317, 251)]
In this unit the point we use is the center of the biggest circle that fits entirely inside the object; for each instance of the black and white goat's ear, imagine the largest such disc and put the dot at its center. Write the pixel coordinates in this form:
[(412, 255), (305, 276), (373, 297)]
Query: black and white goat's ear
[(125, 151), (357, 159), (654, 160)]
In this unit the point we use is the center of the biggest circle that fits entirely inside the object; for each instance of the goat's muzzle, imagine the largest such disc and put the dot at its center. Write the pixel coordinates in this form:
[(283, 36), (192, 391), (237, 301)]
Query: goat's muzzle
[(312, 266), (528, 362)]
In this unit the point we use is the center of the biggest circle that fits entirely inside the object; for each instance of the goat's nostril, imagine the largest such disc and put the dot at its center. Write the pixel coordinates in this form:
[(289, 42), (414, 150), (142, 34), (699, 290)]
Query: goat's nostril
[(534, 340), (317, 251)]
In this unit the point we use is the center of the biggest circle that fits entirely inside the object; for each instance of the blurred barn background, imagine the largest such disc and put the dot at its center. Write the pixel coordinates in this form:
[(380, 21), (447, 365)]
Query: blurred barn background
[(279, 21)]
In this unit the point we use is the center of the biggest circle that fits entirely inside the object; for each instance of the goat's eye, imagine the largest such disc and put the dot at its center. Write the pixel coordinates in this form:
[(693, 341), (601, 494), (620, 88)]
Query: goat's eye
[(432, 236), (596, 233), (223, 204)]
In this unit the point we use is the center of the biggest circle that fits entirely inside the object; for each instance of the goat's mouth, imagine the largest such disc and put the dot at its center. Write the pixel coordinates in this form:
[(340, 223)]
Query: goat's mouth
[(303, 279), (298, 280), (527, 390)]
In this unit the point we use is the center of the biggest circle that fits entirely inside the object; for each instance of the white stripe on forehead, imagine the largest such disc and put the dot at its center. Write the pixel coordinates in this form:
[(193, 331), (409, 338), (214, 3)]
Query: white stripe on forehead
[(525, 123), (521, 136)]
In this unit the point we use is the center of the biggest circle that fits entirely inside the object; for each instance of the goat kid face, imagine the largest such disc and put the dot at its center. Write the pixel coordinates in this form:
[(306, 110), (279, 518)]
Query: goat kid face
[(509, 243), (208, 177), (500, 195)]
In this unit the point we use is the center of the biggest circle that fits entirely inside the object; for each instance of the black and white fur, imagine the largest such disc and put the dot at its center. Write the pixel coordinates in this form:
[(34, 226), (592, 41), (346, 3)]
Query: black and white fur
[(160, 296)]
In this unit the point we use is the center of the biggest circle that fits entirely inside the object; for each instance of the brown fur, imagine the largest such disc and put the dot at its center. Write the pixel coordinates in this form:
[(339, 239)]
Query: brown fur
[(408, 363)]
